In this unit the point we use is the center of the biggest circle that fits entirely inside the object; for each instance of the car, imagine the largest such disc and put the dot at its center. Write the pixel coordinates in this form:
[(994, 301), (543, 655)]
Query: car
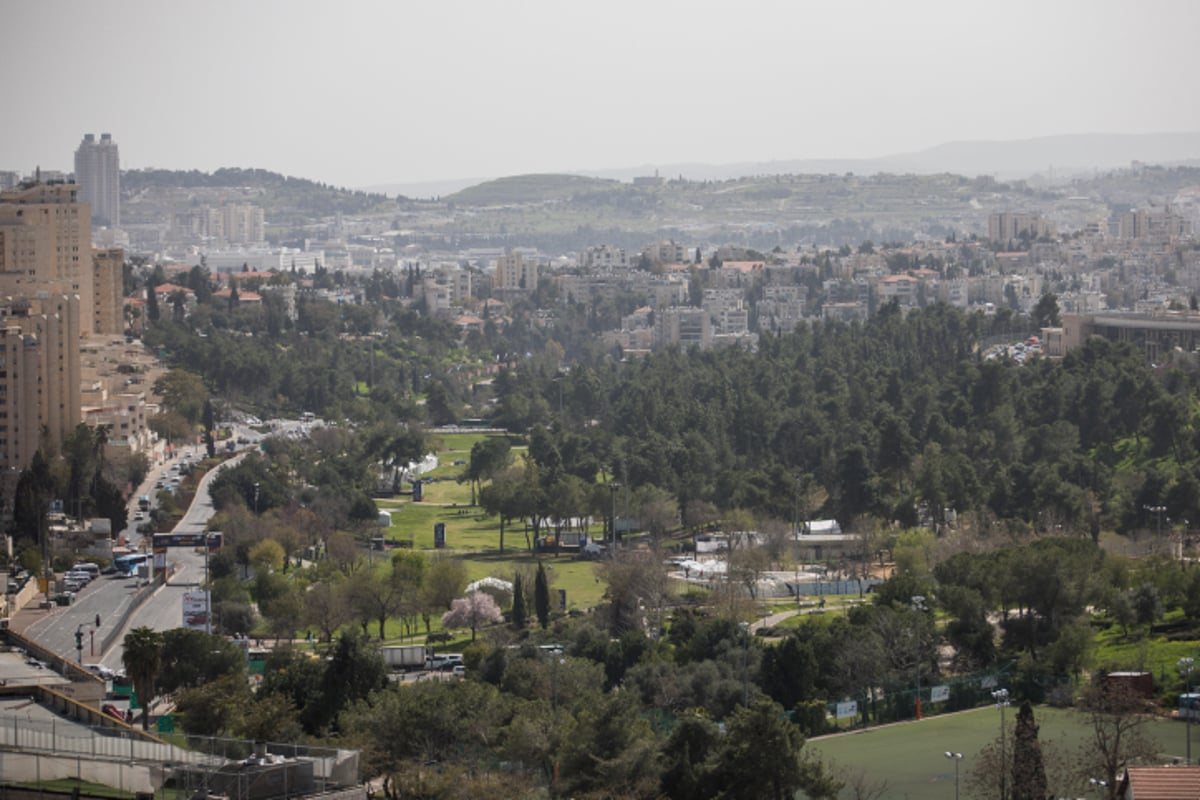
[(113, 711), (101, 670), (459, 671), (139, 516)]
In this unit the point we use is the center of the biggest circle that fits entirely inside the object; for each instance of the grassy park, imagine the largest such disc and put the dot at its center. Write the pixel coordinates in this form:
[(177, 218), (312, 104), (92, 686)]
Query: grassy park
[(475, 537)]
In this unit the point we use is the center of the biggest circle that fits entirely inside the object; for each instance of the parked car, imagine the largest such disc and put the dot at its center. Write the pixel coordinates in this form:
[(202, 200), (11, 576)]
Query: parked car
[(113, 711)]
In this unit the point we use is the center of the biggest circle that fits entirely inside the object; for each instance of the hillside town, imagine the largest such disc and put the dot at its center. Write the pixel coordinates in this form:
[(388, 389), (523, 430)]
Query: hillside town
[(250, 386)]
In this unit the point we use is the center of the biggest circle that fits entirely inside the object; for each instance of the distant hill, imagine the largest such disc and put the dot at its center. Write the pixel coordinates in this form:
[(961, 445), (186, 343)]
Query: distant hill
[(285, 197), (1071, 154), (1020, 158), (529, 189)]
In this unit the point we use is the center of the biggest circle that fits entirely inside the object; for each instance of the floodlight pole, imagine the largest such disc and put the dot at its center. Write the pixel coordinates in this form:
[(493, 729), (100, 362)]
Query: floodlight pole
[(1186, 666), (956, 758), (1001, 698), (918, 605)]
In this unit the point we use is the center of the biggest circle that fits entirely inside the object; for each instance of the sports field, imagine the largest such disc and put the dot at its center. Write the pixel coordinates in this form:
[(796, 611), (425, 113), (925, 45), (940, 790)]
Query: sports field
[(910, 756)]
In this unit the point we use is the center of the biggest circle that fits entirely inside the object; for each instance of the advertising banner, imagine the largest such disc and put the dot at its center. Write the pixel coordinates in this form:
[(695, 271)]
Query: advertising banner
[(939, 694), (847, 710), (195, 610)]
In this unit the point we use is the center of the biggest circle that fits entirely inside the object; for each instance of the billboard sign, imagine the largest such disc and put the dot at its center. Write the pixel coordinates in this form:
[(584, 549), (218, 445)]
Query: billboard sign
[(847, 710), (195, 611), (939, 694), (187, 540)]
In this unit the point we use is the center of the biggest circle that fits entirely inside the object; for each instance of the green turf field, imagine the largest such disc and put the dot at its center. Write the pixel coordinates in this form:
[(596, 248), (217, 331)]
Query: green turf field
[(910, 756)]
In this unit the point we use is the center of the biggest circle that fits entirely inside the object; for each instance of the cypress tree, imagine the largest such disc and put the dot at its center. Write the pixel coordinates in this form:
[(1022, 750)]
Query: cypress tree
[(541, 597), (519, 613), (1028, 768)]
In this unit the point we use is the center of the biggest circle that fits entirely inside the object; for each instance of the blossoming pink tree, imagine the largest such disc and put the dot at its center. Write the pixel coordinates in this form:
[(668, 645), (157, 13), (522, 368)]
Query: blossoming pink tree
[(475, 609)]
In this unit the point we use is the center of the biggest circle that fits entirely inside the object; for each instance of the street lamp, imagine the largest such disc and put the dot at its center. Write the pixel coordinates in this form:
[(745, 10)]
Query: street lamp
[(745, 626), (956, 758), (1186, 666), (1001, 698), (918, 605)]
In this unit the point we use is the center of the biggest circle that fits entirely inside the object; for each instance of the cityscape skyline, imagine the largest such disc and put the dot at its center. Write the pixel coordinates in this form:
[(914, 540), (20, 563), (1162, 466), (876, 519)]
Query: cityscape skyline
[(369, 93)]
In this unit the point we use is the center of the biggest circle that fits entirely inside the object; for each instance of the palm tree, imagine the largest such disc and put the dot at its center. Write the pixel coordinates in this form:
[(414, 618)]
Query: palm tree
[(141, 658)]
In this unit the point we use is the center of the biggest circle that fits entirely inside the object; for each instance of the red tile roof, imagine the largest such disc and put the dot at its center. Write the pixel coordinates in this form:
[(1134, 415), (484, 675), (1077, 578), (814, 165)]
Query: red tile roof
[(1163, 783)]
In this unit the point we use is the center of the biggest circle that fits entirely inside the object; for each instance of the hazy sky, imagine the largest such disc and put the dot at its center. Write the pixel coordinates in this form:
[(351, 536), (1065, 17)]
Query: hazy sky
[(397, 91)]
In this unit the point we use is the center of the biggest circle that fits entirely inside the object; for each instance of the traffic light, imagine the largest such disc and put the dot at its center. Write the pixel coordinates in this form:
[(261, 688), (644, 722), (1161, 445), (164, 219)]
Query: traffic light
[(97, 620), (78, 640)]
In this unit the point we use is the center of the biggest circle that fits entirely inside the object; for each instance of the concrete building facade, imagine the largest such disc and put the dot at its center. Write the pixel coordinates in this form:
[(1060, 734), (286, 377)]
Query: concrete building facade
[(108, 288), (39, 374), (98, 173), (45, 244)]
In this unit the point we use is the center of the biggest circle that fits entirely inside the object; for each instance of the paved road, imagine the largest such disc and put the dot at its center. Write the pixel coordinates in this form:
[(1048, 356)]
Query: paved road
[(111, 597)]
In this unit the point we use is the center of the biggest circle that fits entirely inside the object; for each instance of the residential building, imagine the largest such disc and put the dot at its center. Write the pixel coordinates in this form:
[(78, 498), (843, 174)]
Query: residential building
[(515, 272), (1008, 226), (901, 288), (45, 244), (234, 223), (781, 308), (98, 173), (39, 374), (604, 257), (108, 286), (1157, 224), (682, 326), (667, 251)]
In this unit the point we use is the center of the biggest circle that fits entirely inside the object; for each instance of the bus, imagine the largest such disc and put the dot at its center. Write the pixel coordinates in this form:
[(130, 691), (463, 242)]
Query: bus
[(126, 566)]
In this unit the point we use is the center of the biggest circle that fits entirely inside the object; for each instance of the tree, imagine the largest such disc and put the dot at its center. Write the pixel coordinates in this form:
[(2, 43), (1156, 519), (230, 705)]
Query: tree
[(520, 613), (1045, 313), (142, 657), (210, 709), (208, 419), (445, 580), (684, 754), (184, 393), (541, 596), (489, 457), (477, 608), (326, 608), (1116, 715), (759, 757), (192, 657), (1028, 769)]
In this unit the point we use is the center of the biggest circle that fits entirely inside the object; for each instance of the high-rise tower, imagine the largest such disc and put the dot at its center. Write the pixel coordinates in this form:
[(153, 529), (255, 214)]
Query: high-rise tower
[(98, 173)]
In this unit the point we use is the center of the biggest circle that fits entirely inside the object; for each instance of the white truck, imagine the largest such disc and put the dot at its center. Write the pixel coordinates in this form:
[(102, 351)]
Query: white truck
[(404, 656)]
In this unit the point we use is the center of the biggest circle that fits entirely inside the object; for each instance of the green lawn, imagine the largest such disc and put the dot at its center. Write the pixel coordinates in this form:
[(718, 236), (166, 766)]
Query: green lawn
[(910, 756), (475, 537)]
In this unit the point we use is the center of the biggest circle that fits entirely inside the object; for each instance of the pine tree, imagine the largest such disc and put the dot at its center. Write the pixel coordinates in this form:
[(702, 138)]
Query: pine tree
[(541, 597), (519, 612), (1028, 768)]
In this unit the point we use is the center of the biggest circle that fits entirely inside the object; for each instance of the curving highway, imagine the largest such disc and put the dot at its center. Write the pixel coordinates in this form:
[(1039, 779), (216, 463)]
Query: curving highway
[(110, 598)]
